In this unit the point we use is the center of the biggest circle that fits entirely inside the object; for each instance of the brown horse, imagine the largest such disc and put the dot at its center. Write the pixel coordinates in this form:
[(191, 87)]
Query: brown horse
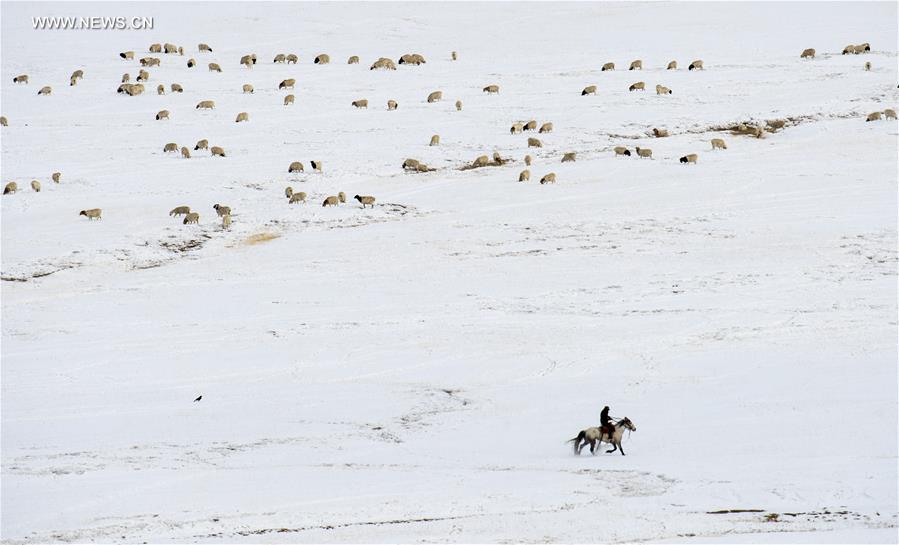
[(595, 436)]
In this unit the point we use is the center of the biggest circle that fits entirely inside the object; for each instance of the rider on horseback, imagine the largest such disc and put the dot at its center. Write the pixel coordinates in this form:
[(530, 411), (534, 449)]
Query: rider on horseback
[(606, 422)]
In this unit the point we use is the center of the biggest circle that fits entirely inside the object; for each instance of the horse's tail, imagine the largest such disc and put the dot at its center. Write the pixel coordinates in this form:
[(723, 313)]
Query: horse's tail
[(577, 440)]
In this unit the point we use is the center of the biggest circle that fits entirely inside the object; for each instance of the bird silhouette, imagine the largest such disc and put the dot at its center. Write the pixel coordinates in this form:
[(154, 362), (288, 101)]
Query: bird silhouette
[(198, 398)]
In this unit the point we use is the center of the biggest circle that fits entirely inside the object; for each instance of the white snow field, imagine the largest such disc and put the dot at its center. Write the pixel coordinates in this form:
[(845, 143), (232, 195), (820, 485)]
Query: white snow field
[(411, 372)]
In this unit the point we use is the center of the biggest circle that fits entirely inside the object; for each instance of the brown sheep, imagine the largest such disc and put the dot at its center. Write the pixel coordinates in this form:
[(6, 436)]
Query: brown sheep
[(288, 191), (77, 74), (548, 179), (691, 158), (292, 59), (150, 61), (516, 128), (867, 68), (775, 124), (217, 151), (365, 200), (589, 90), (330, 201), (527, 160), (643, 152), (191, 63), (316, 165), (454, 56), (22, 78), (248, 61), (384, 63), (874, 116), (458, 105), (55, 176), (242, 116), (353, 60), (126, 78), (163, 114), (226, 221), (361, 103), (299, 196), (322, 59), (807, 53), (287, 84), (546, 127), (204, 47), (672, 65), (179, 211), (45, 90), (247, 88), (205, 105), (435, 96), (621, 150), (185, 153), (608, 66), (889, 113), (214, 67), (176, 88), (639, 86), (191, 217), (143, 75), (662, 90), (127, 55), (531, 125), (222, 210), (410, 164), (695, 65), (134, 90), (636, 65), (341, 197), (3, 121), (534, 143), (391, 105), (36, 186), (660, 133), (171, 146), (295, 166), (168, 49), (11, 187), (718, 143), (569, 157), (202, 144), (524, 176), (92, 214), (280, 57), (435, 140), (481, 161), (288, 100), (491, 89), (160, 89)]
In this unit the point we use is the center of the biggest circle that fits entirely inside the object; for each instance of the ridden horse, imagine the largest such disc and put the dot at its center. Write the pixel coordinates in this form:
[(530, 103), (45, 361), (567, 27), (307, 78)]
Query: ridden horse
[(596, 435)]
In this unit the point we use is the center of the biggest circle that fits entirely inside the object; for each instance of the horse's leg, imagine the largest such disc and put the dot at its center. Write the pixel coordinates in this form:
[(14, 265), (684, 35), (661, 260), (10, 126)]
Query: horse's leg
[(622, 449), (593, 447), (614, 448)]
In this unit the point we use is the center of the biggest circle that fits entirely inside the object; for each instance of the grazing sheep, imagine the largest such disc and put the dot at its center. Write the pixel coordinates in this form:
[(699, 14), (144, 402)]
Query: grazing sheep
[(170, 48), (458, 105), (93, 213), (171, 146), (498, 159), (163, 114), (454, 56), (247, 88), (341, 197), (874, 116), (45, 90), (22, 78), (546, 127), (160, 89), (299, 196), (295, 166), (481, 161), (287, 84), (322, 59), (867, 67), (889, 113), (242, 116), (205, 105), (718, 143), (775, 124), (863, 48), (179, 211), (191, 63), (126, 78), (848, 49), (589, 90), (214, 67), (524, 176), (192, 217), (330, 201), (176, 88), (280, 57), (808, 53), (77, 74), (383, 62), (422, 168), (353, 60), (531, 125), (411, 58), (74, 81), (288, 100), (639, 86), (248, 61), (608, 66), (662, 90), (143, 75), (636, 65), (643, 152), (435, 96), (134, 90), (222, 210), (621, 150), (391, 105), (534, 143), (185, 153), (491, 89), (365, 199), (695, 65), (361, 103), (527, 160), (127, 55), (3, 121), (217, 151), (204, 47), (150, 61), (292, 59), (226, 221), (660, 133), (55, 176), (691, 158), (672, 65), (516, 128), (11, 187), (288, 191), (202, 144), (548, 179), (36, 186), (316, 165), (435, 140), (569, 157)]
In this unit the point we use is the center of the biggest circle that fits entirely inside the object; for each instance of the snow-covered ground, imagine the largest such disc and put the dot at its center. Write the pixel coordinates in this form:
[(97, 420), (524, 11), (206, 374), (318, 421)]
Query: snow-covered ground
[(411, 372)]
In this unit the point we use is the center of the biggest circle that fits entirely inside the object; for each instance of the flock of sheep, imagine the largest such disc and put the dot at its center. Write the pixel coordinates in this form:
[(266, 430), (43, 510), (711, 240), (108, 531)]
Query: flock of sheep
[(383, 63)]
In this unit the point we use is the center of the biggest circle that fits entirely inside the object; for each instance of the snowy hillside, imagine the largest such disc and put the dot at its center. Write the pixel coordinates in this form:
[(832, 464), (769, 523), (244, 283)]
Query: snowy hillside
[(412, 371)]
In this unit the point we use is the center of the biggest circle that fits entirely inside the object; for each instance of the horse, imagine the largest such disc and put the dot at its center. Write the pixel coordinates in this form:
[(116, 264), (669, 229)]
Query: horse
[(596, 435)]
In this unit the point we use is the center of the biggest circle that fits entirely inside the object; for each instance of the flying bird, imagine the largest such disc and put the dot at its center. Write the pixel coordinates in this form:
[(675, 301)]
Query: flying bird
[(198, 398)]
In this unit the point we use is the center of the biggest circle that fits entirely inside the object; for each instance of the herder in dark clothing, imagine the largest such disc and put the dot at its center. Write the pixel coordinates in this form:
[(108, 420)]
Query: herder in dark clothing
[(605, 422)]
